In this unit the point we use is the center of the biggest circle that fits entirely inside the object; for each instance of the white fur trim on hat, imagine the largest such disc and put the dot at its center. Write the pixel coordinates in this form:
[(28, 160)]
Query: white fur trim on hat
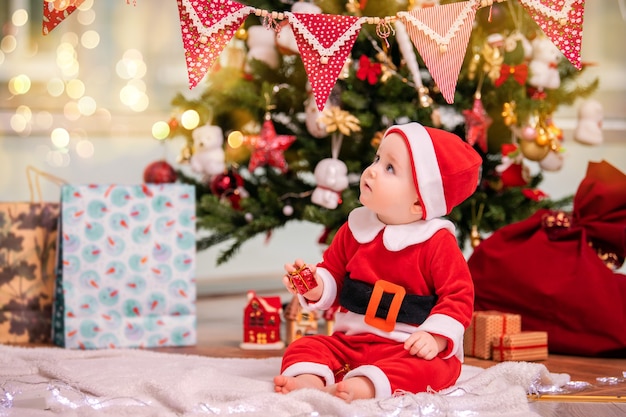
[(445, 168), (425, 167)]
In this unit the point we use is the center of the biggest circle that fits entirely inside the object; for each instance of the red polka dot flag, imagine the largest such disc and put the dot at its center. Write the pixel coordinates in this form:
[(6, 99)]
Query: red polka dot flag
[(324, 42), (562, 22), (206, 28)]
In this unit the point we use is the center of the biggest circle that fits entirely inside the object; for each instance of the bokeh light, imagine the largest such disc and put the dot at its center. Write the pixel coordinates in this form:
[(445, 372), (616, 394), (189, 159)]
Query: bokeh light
[(20, 17), (84, 148), (75, 89), (90, 39), (190, 119), (8, 44), (160, 130), (60, 137), (20, 84), (55, 87), (87, 105), (235, 139)]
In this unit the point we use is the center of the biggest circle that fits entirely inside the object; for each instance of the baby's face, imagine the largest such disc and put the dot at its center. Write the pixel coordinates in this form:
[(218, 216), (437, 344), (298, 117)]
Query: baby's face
[(387, 186)]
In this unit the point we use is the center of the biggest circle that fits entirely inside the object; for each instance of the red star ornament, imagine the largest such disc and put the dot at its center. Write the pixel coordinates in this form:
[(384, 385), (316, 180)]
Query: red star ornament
[(269, 147), (477, 122)]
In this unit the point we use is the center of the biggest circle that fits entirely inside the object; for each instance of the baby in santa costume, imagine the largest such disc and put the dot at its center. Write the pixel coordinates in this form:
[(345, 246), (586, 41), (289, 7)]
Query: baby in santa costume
[(395, 270)]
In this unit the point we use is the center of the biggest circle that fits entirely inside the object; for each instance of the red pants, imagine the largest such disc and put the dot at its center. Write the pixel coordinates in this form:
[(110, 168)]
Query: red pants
[(342, 354)]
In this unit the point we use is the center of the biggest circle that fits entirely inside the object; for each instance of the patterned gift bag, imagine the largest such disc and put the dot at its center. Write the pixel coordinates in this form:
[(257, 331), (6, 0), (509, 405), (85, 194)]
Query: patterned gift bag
[(126, 266), (28, 232)]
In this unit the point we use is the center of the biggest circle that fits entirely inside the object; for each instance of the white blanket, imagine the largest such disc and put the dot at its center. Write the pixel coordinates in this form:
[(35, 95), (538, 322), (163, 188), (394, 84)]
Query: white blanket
[(38, 382)]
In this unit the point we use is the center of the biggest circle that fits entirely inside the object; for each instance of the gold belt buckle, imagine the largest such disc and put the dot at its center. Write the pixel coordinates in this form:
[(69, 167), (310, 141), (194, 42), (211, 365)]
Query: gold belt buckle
[(380, 287)]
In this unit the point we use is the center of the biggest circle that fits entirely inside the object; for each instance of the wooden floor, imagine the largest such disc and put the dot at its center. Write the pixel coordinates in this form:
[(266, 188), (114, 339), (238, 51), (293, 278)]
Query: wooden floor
[(220, 330)]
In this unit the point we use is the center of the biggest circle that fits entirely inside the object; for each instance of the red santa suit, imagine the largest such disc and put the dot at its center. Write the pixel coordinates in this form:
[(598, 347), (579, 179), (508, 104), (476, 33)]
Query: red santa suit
[(422, 257)]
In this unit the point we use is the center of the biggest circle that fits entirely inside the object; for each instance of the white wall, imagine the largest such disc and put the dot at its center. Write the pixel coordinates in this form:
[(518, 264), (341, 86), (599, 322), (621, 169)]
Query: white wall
[(123, 145)]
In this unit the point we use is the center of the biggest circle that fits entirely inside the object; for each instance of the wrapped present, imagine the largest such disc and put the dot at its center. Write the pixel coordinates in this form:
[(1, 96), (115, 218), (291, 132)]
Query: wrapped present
[(126, 266), (523, 346), (553, 269), (302, 280), (486, 325)]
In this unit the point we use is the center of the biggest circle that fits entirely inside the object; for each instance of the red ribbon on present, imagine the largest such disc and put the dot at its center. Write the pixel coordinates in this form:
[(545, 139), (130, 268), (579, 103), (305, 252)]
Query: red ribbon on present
[(518, 72), (500, 349)]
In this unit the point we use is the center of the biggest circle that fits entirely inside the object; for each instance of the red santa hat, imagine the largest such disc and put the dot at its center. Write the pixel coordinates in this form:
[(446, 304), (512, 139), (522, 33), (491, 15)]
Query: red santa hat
[(445, 168)]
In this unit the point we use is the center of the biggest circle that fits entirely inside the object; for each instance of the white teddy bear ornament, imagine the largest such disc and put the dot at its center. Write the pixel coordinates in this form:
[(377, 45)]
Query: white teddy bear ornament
[(589, 127), (331, 176), (208, 155), (262, 47), (544, 73)]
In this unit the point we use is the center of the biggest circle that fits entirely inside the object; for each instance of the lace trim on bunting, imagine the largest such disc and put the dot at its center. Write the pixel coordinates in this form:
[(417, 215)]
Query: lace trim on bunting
[(219, 25), (454, 28), (312, 40), (548, 11)]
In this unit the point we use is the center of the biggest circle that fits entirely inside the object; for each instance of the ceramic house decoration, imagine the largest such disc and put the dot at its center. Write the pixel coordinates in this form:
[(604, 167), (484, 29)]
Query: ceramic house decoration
[(261, 323), (298, 322)]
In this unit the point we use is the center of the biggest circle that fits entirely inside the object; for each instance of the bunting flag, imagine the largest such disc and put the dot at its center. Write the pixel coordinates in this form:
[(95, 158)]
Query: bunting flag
[(54, 12), (562, 22), (206, 27), (324, 42), (441, 35)]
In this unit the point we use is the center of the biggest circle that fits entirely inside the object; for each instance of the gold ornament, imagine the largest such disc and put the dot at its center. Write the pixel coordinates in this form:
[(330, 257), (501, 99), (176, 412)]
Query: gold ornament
[(473, 66), (531, 150), (241, 33), (354, 7), (542, 138), (493, 57), (375, 142), (336, 119), (424, 99), (475, 237), (509, 116)]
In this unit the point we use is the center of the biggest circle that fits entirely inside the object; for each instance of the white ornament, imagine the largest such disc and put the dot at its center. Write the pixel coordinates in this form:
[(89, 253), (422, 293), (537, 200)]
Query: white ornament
[(544, 73), (316, 128), (331, 176), (262, 47), (589, 127), (288, 210), (208, 155), (552, 162)]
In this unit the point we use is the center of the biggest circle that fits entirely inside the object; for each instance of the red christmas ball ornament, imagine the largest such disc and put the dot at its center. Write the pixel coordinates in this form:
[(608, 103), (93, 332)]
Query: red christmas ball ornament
[(228, 185), (159, 172)]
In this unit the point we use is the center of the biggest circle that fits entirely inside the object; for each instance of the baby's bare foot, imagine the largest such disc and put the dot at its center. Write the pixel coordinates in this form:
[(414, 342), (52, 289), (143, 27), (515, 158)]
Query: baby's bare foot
[(341, 390), (350, 389), (285, 384)]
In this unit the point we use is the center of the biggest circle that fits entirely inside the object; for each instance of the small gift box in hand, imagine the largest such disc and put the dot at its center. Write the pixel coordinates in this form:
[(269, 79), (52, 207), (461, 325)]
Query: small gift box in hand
[(302, 279)]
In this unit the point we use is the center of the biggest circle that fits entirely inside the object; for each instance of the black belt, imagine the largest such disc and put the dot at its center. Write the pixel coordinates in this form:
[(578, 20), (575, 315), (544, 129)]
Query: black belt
[(413, 309)]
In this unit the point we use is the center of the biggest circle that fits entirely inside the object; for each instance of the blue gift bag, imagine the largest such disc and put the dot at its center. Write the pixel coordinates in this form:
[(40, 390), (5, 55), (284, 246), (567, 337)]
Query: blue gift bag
[(126, 263)]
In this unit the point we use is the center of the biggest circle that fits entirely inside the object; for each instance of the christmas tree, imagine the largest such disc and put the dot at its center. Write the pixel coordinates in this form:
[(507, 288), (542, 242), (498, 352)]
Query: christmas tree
[(286, 159)]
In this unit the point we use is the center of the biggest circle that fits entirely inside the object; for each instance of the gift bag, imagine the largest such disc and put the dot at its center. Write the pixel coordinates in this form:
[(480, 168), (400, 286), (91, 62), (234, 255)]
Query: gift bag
[(557, 270), (126, 266), (28, 232)]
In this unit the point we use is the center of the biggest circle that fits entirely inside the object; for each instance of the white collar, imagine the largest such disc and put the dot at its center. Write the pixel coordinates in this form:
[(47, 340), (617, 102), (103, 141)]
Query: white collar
[(365, 226)]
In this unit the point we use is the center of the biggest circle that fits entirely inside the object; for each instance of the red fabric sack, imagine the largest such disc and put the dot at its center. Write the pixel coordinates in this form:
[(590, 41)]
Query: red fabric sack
[(547, 268)]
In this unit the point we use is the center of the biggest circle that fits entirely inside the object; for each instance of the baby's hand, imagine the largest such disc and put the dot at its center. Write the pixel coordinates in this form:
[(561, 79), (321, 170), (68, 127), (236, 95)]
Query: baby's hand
[(424, 345), (311, 289)]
